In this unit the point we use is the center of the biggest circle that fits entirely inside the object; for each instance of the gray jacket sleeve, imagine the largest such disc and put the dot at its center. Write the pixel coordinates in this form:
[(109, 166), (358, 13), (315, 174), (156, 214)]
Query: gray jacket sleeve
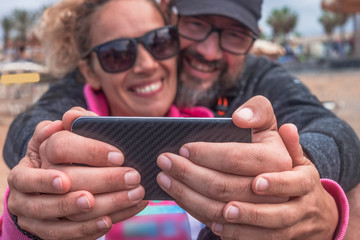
[(60, 97)]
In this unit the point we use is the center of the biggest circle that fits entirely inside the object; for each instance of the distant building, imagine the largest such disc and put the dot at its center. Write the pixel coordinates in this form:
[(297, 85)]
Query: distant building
[(349, 7)]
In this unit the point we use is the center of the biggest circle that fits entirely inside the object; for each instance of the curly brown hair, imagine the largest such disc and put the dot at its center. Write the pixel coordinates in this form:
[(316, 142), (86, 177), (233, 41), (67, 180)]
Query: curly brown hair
[(64, 33)]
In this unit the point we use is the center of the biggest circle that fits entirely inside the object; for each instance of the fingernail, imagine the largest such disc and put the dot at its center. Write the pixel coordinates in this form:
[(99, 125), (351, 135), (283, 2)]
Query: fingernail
[(164, 181), (57, 184), (261, 184), (102, 224), (232, 213), (83, 203), (245, 114), (164, 163), (115, 158), (132, 178), (217, 227), (184, 152), (135, 194)]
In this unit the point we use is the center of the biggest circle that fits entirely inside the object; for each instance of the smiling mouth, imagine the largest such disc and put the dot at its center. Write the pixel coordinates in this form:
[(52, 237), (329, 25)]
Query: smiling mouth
[(201, 66), (148, 89)]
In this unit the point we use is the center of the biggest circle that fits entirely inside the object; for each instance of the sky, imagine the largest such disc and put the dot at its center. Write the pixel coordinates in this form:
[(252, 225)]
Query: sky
[(309, 12)]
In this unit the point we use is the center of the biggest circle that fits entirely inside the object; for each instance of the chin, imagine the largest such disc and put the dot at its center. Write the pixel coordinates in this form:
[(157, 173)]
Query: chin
[(150, 111)]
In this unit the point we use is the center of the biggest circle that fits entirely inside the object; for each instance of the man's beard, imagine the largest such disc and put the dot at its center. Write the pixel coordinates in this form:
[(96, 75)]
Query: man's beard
[(189, 95)]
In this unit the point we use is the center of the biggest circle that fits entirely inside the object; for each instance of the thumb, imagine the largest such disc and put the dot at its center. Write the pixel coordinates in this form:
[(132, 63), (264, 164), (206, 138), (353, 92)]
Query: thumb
[(42, 132), (74, 113), (257, 113)]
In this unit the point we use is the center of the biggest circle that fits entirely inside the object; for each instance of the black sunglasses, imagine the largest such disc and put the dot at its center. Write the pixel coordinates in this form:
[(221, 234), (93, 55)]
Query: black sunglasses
[(120, 54)]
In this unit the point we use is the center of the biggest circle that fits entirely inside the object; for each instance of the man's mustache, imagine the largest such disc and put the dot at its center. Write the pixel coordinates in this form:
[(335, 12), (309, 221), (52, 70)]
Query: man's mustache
[(187, 53)]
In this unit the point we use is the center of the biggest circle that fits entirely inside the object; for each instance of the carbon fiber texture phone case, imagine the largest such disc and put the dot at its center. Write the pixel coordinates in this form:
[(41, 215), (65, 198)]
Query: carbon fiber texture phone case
[(142, 140)]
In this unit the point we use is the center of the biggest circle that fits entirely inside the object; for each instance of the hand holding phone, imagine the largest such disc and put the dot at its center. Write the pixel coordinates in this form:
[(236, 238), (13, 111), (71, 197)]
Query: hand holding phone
[(143, 139)]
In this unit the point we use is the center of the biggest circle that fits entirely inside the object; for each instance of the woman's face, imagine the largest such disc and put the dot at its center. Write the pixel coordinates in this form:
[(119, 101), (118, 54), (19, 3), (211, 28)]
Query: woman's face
[(149, 87)]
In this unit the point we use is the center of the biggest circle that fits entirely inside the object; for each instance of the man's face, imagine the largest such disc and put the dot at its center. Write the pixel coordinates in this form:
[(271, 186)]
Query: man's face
[(205, 69)]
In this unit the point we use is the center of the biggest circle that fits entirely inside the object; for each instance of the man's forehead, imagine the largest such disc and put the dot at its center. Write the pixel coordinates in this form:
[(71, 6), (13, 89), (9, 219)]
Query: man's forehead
[(221, 21)]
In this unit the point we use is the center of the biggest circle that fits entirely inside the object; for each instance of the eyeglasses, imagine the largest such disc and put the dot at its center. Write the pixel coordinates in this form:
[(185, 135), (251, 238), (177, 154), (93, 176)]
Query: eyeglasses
[(233, 41), (120, 54)]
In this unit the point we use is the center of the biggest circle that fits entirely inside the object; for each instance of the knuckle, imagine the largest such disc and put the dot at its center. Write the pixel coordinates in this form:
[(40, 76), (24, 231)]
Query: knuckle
[(220, 189), (236, 233), (232, 163), (305, 185), (37, 228), (64, 207), (281, 234), (38, 133), (13, 178), (196, 150), (284, 164), (212, 212), (253, 216), (84, 231), (279, 184), (288, 217), (42, 182), (34, 210), (57, 140), (312, 212), (36, 138), (112, 180), (216, 188), (97, 151), (119, 199), (77, 109), (179, 193), (13, 204), (180, 173), (52, 234)]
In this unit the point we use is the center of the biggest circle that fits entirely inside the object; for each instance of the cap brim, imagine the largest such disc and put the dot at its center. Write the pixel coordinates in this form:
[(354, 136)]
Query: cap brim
[(222, 8)]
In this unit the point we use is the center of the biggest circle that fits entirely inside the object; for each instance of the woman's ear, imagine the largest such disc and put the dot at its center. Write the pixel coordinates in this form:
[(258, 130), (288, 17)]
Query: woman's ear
[(89, 75)]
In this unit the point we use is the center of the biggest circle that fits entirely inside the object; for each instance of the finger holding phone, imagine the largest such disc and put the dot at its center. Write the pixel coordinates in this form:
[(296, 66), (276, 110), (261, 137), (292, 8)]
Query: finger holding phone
[(49, 169), (290, 219), (225, 171), (226, 180)]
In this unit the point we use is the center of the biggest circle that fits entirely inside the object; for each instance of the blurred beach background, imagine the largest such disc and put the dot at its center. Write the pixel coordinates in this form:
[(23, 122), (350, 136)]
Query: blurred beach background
[(317, 40)]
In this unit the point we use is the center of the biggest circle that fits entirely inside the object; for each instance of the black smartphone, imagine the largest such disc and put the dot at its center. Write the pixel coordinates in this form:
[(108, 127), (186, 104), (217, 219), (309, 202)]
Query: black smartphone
[(143, 139)]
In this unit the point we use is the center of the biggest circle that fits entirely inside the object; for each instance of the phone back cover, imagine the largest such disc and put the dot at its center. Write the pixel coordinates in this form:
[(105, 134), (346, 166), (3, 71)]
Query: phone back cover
[(142, 140)]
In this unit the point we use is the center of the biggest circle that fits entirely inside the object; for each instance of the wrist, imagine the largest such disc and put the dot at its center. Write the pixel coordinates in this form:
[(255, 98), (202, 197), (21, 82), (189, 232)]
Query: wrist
[(10, 225), (334, 189), (26, 233)]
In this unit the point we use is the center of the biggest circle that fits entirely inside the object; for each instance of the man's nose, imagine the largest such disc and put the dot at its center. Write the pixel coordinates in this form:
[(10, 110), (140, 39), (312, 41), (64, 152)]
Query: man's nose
[(145, 63), (210, 47)]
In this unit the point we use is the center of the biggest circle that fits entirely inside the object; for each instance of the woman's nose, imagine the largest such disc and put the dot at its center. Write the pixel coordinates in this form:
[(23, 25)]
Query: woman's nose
[(145, 63)]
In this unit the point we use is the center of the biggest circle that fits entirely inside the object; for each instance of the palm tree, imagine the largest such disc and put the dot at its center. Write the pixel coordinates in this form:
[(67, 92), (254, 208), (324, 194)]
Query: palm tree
[(23, 21), (283, 21), (7, 24), (329, 21), (341, 20)]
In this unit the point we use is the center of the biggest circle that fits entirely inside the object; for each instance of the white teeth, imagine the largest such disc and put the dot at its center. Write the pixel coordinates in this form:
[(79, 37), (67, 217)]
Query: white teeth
[(200, 66), (149, 88)]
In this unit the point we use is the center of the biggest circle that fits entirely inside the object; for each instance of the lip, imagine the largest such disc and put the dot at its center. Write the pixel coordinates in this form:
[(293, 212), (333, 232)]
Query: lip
[(205, 73), (148, 88), (200, 66)]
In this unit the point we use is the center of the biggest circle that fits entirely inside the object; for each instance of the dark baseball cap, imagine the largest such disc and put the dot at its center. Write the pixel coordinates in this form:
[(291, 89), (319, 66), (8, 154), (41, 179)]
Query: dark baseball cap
[(247, 12)]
